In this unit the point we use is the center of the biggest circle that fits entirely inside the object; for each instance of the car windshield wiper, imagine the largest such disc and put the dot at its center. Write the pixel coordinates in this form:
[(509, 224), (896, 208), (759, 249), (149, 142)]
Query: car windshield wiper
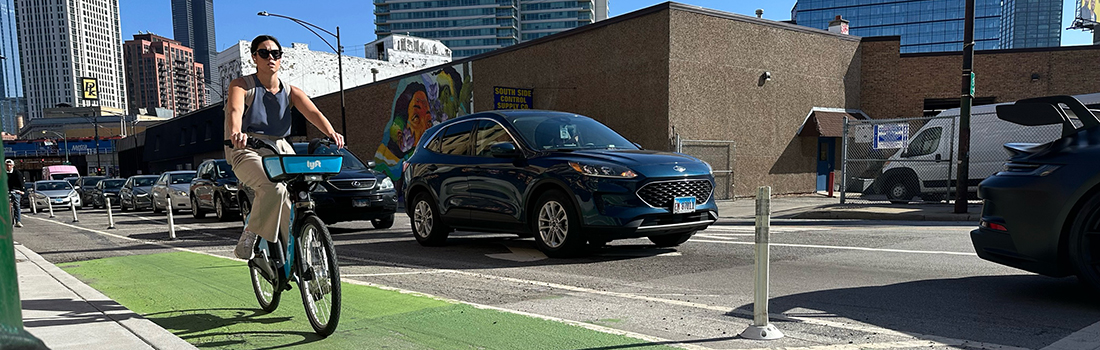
[(560, 150)]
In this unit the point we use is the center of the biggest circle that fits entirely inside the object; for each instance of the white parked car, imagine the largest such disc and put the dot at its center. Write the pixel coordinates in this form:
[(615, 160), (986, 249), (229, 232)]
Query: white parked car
[(58, 193), (175, 185)]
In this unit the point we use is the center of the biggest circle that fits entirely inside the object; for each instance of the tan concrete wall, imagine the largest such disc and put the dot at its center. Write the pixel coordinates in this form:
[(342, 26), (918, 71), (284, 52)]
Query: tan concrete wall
[(616, 74), (715, 93)]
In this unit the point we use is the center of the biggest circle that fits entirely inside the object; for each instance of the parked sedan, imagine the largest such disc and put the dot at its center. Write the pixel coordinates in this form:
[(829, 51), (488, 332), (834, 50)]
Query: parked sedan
[(85, 186), (54, 193), (564, 178), (214, 189), (1042, 213), (107, 188), (174, 186), (135, 192)]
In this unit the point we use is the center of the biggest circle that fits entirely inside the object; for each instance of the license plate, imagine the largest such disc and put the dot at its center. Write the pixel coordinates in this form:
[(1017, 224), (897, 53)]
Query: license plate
[(359, 203), (59, 201), (683, 205)]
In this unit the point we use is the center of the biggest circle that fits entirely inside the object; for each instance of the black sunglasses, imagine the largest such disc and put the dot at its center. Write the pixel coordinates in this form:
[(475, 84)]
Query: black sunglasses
[(270, 54)]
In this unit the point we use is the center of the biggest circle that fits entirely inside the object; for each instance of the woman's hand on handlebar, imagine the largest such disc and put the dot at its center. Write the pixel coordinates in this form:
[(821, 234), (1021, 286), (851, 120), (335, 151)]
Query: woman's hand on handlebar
[(239, 140), (337, 139)]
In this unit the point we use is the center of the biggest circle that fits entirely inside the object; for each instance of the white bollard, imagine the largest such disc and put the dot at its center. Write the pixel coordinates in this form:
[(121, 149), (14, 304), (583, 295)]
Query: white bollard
[(760, 328), (72, 206), (49, 203), (110, 217), (34, 208), (171, 221)]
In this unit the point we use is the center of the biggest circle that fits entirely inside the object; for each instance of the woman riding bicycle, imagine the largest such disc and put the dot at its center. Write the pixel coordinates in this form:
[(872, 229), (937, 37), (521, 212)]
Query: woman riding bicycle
[(258, 106), (15, 191)]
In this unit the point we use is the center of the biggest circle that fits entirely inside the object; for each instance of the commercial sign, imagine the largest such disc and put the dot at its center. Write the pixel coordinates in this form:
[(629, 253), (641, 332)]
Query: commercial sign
[(89, 88), (512, 98), (890, 136)]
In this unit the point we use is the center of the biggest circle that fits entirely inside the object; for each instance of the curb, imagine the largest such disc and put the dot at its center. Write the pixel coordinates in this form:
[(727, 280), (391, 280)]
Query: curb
[(149, 332), (865, 215)]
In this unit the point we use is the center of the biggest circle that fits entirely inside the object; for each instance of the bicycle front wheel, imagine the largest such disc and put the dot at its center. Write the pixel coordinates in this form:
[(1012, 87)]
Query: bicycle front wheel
[(319, 278), (266, 288)]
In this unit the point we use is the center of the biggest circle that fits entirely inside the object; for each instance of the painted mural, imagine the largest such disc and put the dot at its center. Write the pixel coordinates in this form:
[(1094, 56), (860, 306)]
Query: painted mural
[(421, 102)]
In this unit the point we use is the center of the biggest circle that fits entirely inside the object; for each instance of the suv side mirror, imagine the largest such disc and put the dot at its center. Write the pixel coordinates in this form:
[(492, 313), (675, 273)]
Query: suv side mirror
[(503, 150), (638, 145), (371, 164)]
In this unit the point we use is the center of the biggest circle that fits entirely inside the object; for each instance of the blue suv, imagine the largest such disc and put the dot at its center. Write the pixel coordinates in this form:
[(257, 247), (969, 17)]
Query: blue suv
[(563, 178)]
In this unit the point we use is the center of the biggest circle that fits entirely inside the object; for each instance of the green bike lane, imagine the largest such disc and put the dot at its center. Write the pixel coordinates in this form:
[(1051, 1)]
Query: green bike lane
[(208, 301)]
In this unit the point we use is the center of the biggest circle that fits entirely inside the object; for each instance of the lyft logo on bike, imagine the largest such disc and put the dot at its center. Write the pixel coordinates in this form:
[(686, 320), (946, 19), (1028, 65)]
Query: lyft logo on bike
[(313, 165)]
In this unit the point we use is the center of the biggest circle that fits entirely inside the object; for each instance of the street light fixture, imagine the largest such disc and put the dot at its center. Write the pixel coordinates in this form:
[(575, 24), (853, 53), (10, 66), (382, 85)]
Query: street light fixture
[(339, 59), (63, 137)]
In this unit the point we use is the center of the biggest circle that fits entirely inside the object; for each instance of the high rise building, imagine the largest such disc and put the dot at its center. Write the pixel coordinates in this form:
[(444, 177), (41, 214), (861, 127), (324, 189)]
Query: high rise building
[(12, 103), (471, 27), (193, 26), (62, 41), (162, 73), (924, 25), (1031, 23)]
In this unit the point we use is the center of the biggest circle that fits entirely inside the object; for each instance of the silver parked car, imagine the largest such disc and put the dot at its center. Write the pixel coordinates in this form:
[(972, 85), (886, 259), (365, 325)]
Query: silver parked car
[(175, 185), (58, 193)]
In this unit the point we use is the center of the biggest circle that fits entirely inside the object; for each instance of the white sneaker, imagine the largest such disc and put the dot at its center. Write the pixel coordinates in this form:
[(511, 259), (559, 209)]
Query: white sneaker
[(18, 224), (244, 245)]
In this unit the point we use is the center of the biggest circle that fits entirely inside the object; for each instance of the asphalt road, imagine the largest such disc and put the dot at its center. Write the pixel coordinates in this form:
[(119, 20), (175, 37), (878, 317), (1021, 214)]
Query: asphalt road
[(834, 284)]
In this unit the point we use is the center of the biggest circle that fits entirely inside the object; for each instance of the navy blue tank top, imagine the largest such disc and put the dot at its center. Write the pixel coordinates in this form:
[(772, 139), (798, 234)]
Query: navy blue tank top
[(269, 113)]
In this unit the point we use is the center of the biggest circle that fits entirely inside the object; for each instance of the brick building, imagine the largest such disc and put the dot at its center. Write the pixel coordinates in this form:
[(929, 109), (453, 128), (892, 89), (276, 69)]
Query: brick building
[(161, 72)]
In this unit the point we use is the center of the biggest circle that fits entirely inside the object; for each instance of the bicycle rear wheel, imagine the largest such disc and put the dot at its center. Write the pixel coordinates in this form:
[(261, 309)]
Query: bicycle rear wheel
[(266, 288), (319, 276)]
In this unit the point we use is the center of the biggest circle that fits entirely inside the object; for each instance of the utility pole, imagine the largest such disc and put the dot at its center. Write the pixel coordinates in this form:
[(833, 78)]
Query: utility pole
[(962, 179)]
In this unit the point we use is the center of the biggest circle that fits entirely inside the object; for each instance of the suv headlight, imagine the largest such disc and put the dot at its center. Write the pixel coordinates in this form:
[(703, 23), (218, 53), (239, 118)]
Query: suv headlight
[(73, 194), (230, 187), (386, 184), (180, 193), (606, 170)]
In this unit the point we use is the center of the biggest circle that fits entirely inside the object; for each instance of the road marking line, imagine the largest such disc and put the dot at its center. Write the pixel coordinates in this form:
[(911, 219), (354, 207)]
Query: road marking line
[(589, 326), (843, 248), (893, 345), (1087, 338), (392, 274), (724, 237)]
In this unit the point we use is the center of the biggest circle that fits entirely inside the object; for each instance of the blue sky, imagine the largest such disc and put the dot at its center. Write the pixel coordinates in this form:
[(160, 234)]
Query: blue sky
[(237, 20)]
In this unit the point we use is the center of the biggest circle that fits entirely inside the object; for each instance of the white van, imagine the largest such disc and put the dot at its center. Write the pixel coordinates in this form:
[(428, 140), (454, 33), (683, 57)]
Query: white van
[(923, 168)]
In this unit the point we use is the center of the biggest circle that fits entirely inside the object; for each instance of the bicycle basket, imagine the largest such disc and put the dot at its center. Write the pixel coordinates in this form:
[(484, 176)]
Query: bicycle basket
[(281, 168)]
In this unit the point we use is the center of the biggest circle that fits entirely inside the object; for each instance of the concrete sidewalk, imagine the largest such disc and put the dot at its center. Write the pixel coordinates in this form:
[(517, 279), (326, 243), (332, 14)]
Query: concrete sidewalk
[(65, 313), (821, 207)]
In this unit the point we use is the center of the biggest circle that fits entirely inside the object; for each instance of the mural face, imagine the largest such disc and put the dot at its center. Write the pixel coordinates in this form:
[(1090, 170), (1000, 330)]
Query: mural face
[(421, 102)]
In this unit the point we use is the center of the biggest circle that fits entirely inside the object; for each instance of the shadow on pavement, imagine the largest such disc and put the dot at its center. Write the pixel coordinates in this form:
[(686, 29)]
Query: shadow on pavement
[(78, 311), (1028, 311)]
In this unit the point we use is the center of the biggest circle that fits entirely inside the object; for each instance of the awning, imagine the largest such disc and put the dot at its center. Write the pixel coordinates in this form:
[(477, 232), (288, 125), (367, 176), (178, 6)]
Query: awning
[(828, 122)]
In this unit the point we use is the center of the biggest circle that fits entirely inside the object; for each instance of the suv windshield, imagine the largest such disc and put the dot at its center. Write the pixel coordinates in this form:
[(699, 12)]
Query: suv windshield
[(113, 183), (144, 181), (181, 178), (560, 132), (91, 181), (223, 169), (53, 186)]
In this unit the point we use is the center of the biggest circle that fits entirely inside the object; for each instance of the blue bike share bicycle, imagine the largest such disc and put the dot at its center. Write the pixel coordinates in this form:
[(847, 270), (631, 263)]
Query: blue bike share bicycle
[(308, 256)]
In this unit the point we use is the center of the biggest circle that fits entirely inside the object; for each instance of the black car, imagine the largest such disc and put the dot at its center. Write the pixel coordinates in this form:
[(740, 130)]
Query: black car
[(1042, 213), (28, 187), (564, 178), (135, 192), (356, 193), (214, 189), (84, 186), (106, 188)]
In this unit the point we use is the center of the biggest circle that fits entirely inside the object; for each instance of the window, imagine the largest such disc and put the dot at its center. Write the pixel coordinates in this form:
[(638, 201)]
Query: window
[(925, 143), (489, 133), (456, 139)]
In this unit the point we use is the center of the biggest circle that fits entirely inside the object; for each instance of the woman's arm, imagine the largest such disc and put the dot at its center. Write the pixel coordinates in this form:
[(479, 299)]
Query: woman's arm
[(308, 109), (234, 110)]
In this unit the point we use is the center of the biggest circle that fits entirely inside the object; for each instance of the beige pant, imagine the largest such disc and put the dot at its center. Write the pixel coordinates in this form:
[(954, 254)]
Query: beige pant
[(271, 207)]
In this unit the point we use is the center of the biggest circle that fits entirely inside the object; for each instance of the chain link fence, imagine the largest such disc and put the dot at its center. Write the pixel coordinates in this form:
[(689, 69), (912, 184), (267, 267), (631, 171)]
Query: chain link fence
[(914, 160), (720, 155)]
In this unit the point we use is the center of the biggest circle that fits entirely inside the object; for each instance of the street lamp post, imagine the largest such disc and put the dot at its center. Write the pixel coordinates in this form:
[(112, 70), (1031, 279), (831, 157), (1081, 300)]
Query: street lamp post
[(339, 59), (63, 137)]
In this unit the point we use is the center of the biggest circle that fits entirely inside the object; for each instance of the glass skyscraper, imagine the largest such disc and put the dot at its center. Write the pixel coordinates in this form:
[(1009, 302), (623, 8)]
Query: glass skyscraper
[(471, 27), (193, 26), (937, 25), (12, 103)]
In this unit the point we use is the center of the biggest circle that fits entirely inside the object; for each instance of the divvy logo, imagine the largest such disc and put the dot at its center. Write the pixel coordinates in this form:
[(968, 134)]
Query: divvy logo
[(313, 164)]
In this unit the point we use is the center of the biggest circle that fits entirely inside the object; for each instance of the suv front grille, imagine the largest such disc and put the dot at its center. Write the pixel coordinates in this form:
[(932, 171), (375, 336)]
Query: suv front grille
[(660, 194), (354, 185)]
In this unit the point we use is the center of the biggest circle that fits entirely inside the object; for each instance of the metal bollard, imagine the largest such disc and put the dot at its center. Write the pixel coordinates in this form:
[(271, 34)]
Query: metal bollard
[(171, 221), (49, 203), (72, 206), (760, 328), (110, 217)]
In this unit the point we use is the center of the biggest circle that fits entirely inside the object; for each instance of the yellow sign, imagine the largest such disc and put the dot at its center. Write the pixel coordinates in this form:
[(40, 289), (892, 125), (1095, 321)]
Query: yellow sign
[(90, 88)]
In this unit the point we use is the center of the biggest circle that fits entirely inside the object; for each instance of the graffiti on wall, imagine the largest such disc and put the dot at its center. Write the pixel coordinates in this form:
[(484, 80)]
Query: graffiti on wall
[(419, 103)]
